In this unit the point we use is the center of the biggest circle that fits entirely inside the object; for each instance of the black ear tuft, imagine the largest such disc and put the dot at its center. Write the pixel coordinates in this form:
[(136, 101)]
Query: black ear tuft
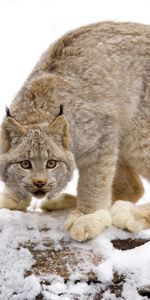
[(61, 110), (8, 114)]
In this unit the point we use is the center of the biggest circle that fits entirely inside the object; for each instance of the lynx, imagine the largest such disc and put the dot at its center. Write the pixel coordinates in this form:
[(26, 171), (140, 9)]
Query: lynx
[(85, 104)]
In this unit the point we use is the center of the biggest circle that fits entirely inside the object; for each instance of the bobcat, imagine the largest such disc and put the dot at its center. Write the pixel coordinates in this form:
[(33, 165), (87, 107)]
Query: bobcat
[(99, 75)]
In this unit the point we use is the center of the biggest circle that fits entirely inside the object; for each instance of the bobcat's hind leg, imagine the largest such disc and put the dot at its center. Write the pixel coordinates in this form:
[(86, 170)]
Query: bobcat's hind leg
[(127, 184), (63, 201)]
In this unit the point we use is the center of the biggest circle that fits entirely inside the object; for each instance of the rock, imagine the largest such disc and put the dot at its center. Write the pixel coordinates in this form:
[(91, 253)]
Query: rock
[(56, 261), (60, 267), (62, 262)]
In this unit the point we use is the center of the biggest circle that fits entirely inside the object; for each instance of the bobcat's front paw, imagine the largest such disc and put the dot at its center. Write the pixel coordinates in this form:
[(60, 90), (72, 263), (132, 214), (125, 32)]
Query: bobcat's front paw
[(6, 201), (84, 227), (126, 215)]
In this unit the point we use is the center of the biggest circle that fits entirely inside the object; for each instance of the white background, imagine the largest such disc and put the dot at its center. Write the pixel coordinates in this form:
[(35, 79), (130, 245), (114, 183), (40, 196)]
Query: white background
[(27, 27)]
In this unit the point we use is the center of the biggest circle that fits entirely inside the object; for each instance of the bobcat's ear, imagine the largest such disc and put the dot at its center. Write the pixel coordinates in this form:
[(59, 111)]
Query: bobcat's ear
[(10, 130), (59, 129)]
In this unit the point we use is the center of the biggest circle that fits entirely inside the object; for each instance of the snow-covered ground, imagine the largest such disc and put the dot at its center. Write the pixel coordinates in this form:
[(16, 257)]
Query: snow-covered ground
[(27, 27), (18, 228)]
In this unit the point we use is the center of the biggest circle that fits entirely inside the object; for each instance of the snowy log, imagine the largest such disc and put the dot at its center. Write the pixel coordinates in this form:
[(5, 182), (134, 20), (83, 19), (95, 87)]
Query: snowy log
[(39, 260)]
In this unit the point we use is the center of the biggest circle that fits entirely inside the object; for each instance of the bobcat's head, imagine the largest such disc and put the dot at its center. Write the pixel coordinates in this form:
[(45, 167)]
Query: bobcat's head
[(36, 160)]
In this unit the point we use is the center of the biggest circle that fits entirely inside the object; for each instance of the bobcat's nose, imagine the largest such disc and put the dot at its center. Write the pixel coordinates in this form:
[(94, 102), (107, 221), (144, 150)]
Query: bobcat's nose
[(39, 182)]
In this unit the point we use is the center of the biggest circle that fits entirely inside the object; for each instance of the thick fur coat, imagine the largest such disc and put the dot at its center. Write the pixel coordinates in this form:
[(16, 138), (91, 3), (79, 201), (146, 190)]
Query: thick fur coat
[(100, 74)]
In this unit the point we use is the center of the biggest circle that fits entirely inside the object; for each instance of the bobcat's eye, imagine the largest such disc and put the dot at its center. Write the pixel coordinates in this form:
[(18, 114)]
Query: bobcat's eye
[(51, 164), (25, 164)]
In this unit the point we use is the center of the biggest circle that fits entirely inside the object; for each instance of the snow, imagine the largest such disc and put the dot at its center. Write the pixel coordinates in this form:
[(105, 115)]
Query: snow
[(18, 228), (27, 27), (134, 263), (105, 271)]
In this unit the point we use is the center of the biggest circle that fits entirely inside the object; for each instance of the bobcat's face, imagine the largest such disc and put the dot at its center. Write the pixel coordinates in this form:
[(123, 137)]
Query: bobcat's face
[(38, 161)]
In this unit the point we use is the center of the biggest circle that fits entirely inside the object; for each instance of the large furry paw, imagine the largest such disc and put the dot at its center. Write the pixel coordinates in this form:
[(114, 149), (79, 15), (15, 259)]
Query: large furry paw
[(63, 201), (7, 202), (127, 215), (84, 227)]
